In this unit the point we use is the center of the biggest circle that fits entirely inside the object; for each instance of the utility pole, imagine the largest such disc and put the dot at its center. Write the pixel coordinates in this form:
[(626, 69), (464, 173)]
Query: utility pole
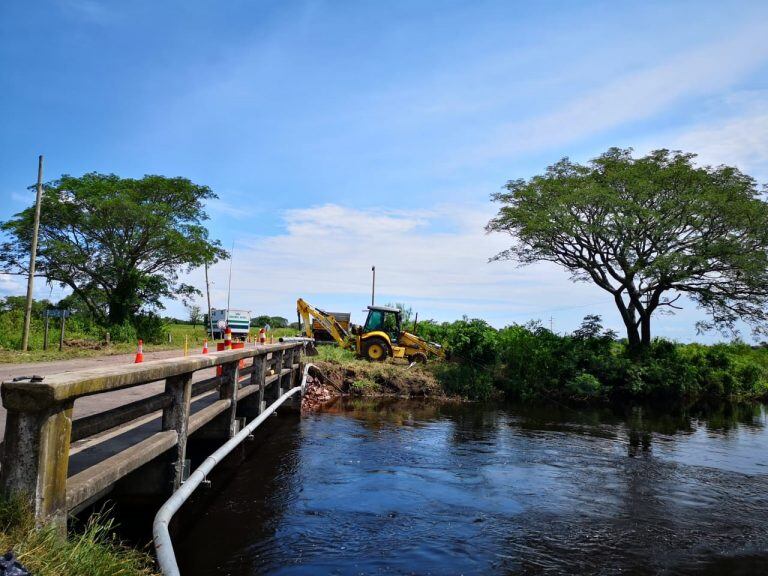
[(33, 257), (551, 319), (208, 294), (373, 284), (229, 282)]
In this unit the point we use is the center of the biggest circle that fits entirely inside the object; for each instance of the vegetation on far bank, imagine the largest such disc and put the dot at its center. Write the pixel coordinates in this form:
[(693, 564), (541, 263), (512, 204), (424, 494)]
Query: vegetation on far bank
[(532, 363), (91, 551)]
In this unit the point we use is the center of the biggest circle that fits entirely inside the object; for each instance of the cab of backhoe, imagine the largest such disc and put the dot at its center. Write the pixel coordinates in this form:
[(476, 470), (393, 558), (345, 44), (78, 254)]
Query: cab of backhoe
[(383, 319)]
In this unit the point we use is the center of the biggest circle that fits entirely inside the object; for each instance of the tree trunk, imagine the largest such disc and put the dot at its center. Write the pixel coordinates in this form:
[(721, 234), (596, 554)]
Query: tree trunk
[(633, 333), (123, 300), (645, 331), (633, 337)]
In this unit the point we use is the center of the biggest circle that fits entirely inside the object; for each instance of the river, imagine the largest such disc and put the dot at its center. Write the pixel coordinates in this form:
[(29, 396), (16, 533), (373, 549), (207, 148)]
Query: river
[(406, 487)]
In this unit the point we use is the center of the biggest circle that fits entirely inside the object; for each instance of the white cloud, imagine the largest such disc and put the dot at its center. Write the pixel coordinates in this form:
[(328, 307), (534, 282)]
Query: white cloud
[(740, 140), (636, 96), (436, 260), (221, 207), (11, 285)]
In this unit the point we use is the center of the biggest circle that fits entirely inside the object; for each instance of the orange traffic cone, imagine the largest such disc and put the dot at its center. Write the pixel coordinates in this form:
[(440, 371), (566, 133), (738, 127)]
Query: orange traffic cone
[(205, 346), (140, 353), (228, 339), (262, 336)]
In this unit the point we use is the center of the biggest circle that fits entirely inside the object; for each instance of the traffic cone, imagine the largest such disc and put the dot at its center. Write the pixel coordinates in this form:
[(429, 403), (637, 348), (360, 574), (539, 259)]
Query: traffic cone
[(205, 346), (140, 353), (262, 336), (228, 339)]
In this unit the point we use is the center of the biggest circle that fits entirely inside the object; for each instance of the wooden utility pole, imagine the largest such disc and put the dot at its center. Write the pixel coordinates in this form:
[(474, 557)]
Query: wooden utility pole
[(208, 294), (33, 257)]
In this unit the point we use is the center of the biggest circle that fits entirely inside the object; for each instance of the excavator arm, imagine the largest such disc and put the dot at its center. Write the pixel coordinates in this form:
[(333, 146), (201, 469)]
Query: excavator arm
[(306, 312)]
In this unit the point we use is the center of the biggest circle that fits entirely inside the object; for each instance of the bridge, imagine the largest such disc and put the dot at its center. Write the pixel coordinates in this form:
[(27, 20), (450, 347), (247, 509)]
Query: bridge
[(65, 465)]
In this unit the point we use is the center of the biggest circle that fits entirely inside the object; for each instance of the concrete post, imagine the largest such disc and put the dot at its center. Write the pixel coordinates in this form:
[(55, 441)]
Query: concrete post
[(251, 406), (36, 459), (272, 391), (175, 417)]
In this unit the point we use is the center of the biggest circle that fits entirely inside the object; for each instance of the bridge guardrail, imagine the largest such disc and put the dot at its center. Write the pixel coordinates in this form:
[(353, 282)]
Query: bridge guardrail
[(166, 557), (40, 429)]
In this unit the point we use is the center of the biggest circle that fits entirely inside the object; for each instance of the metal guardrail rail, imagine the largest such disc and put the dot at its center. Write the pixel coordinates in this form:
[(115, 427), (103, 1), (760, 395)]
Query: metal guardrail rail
[(166, 557)]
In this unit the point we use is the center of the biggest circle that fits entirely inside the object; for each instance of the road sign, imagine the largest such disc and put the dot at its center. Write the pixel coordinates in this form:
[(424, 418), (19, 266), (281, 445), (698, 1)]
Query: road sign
[(58, 313)]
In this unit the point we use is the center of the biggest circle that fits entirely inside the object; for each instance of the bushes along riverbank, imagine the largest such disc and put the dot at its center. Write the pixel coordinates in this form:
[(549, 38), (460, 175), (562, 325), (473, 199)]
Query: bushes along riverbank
[(532, 363)]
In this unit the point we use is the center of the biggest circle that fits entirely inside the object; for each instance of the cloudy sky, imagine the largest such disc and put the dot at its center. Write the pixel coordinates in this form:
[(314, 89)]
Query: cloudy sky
[(340, 135)]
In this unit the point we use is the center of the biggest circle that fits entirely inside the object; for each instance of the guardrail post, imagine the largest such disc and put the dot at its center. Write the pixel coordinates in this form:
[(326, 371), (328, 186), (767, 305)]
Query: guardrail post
[(251, 406), (296, 378), (285, 381), (176, 417), (228, 390), (36, 457), (272, 391)]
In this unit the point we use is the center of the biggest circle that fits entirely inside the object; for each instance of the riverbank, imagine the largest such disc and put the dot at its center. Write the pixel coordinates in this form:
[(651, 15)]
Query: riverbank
[(535, 365), (91, 551), (347, 375)]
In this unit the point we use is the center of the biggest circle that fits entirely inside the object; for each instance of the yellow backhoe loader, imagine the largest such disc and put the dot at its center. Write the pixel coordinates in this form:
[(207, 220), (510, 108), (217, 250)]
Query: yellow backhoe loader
[(380, 337)]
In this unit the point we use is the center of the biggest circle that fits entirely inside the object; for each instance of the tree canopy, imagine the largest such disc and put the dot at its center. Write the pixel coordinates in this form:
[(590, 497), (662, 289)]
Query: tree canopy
[(647, 230), (120, 244)]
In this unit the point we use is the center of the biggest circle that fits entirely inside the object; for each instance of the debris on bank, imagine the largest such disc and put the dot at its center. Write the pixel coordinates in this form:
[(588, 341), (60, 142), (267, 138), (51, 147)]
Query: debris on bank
[(359, 378), (317, 392)]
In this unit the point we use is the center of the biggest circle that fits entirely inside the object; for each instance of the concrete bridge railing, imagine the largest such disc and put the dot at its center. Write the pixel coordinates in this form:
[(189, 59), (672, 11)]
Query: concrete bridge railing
[(40, 428)]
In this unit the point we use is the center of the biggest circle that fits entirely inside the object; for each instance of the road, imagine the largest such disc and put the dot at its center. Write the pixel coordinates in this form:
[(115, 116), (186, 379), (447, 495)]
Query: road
[(100, 402)]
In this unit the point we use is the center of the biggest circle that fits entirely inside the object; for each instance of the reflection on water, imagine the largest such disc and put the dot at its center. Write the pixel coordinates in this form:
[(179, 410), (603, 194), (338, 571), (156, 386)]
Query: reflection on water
[(395, 487)]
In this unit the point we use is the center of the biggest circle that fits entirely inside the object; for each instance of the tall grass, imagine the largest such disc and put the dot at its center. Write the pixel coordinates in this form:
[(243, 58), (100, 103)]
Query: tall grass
[(93, 551)]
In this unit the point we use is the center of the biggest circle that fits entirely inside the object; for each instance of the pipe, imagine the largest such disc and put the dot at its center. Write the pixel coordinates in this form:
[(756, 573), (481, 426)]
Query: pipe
[(166, 557)]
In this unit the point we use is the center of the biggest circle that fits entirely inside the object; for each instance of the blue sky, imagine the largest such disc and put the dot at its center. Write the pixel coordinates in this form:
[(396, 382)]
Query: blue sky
[(344, 134)]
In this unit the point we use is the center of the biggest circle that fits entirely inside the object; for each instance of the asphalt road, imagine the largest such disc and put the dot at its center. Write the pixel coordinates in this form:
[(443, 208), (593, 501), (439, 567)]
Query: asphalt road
[(99, 402)]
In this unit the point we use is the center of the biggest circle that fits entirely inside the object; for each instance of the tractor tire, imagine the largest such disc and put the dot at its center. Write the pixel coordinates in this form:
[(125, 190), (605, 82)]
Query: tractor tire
[(375, 349), (419, 358)]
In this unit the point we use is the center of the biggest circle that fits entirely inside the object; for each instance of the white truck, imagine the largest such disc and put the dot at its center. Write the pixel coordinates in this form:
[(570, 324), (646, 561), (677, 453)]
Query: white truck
[(239, 321)]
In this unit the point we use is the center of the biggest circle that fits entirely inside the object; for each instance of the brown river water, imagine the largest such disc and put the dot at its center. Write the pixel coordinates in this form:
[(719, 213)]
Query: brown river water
[(406, 487)]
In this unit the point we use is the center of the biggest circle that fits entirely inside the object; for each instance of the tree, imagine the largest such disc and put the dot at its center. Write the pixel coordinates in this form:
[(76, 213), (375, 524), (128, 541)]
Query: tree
[(647, 230), (406, 312), (194, 314), (272, 321), (118, 243)]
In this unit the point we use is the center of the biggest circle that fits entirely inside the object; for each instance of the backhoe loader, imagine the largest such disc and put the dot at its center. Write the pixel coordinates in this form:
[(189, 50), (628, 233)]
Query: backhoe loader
[(380, 337)]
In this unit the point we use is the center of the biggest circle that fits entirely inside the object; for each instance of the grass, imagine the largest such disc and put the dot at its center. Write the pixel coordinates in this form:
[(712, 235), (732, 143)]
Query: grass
[(93, 551)]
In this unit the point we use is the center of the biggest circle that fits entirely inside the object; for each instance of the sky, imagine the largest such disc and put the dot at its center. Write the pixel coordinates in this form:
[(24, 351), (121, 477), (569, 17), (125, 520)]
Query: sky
[(341, 135)]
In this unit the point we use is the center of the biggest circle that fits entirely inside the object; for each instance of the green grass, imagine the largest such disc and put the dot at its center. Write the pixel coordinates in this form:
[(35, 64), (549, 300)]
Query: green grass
[(93, 551), (364, 385), (335, 354)]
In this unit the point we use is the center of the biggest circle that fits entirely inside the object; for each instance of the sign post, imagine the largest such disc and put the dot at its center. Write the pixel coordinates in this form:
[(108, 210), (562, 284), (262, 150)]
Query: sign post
[(45, 337), (55, 313)]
